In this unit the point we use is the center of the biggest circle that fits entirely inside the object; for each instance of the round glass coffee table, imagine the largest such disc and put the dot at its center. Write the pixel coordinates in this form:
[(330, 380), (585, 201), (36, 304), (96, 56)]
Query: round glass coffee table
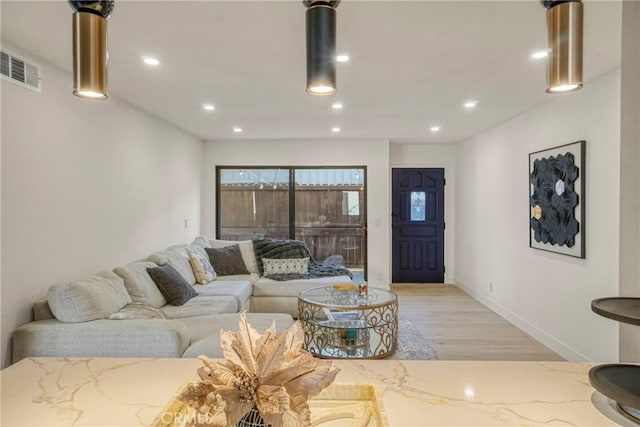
[(339, 322)]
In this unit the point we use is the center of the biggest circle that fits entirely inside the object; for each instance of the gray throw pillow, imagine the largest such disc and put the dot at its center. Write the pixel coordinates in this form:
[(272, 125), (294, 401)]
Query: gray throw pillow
[(171, 284), (227, 261)]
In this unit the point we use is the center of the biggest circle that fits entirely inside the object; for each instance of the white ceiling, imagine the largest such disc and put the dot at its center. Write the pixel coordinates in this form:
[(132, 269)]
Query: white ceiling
[(413, 63)]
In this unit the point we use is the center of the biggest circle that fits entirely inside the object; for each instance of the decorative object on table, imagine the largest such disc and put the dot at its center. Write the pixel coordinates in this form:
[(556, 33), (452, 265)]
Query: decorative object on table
[(338, 404), (269, 372), (363, 290), (344, 293), (556, 199)]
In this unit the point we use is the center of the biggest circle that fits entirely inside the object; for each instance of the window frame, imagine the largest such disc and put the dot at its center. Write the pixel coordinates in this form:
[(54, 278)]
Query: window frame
[(291, 208)]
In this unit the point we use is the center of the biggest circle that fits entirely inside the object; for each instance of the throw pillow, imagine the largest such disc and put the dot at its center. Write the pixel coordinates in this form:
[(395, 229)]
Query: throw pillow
[(285, 266), (202, 268), (227, 261), (246, 249), (171, 284), (279, 249), (201, 241)]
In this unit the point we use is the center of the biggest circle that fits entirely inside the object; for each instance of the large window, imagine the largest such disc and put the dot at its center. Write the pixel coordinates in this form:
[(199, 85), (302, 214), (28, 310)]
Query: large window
[(324, 207)]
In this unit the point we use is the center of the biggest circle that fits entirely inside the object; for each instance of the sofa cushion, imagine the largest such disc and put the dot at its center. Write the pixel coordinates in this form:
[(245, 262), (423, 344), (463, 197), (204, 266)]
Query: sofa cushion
[(139, 284), (171, 284), (251, 278), (279, 249), (246, 249), (42, 311), (202, 268), (200, 306), (227, 261), (240, 290), (285, 266), (91, 298), (198, 249), (178, 257), (205, 330), (265, 287), (100, 338)]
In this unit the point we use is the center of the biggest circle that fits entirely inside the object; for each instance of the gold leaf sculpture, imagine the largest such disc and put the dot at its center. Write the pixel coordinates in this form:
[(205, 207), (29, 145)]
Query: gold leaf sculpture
[(271, 372)]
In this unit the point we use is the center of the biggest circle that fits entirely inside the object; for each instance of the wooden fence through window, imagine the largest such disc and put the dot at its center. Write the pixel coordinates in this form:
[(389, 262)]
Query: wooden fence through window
[(324, 220)]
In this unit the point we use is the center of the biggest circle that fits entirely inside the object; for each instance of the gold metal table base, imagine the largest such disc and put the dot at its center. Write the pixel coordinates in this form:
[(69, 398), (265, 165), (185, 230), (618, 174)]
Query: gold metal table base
[(373, 336)]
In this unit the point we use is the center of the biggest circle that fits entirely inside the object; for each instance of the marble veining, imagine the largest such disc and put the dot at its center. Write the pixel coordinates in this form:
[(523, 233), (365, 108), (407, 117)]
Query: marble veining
[(119, 392)]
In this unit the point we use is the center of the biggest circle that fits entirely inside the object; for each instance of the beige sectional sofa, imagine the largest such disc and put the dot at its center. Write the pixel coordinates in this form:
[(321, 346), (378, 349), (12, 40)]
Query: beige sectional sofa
[(122, 313)]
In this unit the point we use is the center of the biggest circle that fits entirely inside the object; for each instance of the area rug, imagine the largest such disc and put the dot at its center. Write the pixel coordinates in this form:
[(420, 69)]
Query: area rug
[(411, 345)]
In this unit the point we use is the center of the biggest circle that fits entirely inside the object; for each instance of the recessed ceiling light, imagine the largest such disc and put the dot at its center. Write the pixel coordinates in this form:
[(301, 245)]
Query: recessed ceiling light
[(208, 107), (343, 57), (150, 60), (335, 129), (337, 106), (470, 104), (434, 128), (540, 54), (237, 130)]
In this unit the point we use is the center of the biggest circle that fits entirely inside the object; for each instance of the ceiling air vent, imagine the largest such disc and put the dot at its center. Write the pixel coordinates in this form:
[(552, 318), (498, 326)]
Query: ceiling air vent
[(19, 70)]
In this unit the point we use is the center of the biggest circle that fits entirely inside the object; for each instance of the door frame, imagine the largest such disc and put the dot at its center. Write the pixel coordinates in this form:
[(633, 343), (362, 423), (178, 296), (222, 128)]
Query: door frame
[(449, 189)]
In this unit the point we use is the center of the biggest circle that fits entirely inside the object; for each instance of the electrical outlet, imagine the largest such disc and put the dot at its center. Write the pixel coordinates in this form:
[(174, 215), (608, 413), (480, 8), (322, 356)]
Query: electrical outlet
[(186, 223), (490, 287)]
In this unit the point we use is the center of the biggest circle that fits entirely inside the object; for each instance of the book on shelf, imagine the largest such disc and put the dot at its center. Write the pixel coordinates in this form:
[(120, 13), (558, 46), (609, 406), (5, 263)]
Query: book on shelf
[(341, 315)]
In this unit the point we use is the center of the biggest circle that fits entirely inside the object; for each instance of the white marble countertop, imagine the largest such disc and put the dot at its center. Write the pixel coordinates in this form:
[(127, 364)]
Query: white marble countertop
[(119, 392)]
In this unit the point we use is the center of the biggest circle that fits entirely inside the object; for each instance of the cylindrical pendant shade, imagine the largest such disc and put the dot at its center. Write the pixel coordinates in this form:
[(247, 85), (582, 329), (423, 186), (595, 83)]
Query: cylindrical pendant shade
[(564, 42), (89, 55), (321, 49)]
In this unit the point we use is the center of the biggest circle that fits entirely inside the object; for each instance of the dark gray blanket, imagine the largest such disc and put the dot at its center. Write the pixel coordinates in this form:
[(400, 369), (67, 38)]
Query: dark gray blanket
[(315, 271), (284, 249)]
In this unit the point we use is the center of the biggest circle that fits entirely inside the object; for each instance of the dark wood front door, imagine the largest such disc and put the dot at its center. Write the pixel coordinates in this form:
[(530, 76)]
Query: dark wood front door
[(417, 220)]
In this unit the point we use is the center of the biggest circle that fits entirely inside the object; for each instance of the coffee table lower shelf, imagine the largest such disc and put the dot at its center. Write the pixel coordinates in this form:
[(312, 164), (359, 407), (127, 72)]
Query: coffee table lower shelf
[(349, 342)]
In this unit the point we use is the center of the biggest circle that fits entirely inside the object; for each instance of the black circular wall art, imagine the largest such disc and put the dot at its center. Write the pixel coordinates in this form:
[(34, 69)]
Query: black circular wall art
[(554, 200)]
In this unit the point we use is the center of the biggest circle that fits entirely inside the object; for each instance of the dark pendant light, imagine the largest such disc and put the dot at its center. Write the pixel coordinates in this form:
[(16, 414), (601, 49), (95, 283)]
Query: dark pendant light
[(90, 48), (321, 46), (564, 45)]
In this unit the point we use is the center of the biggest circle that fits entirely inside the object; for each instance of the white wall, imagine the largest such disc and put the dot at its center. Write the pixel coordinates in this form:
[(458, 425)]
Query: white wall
[(548, 295), (433, 156), (86, 186), (374, 154)]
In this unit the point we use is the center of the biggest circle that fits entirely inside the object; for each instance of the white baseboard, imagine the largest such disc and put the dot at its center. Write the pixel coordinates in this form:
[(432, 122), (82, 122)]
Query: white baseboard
[(550, 341)]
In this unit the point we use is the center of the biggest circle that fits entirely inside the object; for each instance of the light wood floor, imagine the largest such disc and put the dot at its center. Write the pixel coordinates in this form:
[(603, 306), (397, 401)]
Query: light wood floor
[(460, 328)]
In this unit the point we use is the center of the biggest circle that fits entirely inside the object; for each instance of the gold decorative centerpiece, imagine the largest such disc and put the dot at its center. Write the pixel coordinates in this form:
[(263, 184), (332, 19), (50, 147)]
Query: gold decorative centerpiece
[(268, 373), (345, 287)]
